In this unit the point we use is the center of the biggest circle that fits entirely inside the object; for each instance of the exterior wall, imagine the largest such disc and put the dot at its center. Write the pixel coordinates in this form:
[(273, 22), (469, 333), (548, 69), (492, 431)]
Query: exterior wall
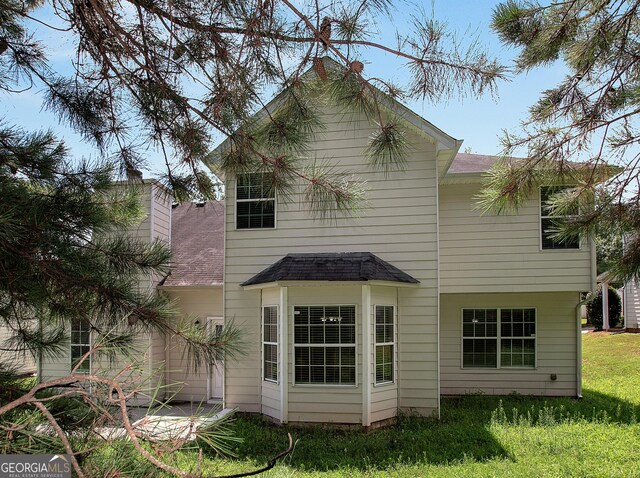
[(631, 300), (398, 224), (270, 394), (556, 346), (55, 367), (23, 363), (195, 305), (491, 253), (384, 398)]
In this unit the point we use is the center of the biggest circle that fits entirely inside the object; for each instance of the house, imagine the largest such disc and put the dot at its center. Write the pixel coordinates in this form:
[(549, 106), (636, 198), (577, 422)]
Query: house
[(631, 306), (348, 321)]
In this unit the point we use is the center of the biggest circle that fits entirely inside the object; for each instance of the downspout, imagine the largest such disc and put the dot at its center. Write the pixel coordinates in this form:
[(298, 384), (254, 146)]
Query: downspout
[(579, 345), (579, 305), (438, 318), (152, 221)]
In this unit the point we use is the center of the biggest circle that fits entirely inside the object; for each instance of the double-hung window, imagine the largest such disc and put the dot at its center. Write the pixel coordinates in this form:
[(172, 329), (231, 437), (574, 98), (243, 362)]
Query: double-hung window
[(325, 344), (499, 338), (255, 202), (270, 343), (80, 344), (549, 223), (385, 343)]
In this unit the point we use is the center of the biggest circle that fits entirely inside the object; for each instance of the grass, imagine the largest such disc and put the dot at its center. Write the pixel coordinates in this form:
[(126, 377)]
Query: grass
[(477, 436)]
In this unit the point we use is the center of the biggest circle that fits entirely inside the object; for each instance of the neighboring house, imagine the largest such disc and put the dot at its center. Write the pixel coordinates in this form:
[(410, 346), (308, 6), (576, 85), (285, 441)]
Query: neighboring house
[(348, 321), (631, 305)]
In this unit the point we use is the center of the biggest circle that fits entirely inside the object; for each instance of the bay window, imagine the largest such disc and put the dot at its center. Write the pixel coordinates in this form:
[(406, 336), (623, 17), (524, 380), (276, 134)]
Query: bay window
[(325, 344)]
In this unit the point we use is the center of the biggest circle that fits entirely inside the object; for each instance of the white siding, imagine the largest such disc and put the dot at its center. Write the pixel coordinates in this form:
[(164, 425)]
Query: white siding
[(398, 224), (270, 393), (632, 305), (384, 398), (22, 362), (556, 346), (183, 383), (56, 367), (501, 253)]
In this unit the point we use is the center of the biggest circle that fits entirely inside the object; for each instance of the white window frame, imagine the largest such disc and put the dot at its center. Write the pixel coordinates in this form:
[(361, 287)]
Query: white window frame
[(73, 344), (324, 345), (393, 343), (273, 199), (498, 339), (276, 344), (541, 217)]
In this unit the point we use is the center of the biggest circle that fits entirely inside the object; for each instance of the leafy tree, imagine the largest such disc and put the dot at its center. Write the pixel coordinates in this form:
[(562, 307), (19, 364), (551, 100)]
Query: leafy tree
[(588, 120), (65, 253), (594, 309), (175, 75), (608, 242), (172, 76), (64, 256)]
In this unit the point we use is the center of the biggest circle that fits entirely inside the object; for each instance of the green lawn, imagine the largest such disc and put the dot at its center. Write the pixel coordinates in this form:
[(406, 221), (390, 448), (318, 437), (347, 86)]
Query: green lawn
[(478, 436)]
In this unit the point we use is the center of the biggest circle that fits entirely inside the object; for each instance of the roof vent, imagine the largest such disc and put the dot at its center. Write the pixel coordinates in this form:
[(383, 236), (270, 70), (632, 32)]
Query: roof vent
[(199, 203)]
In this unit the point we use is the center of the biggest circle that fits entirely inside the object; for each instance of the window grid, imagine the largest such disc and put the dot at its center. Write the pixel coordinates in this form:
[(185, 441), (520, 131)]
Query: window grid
[(80, 344), (325, 344), (384, 343), (270, 343), (549, 224), (255, 202), (499, 338)]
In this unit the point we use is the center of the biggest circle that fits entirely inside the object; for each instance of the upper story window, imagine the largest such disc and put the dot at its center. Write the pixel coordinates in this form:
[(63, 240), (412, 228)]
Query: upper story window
[(255, 202), (549, 224)]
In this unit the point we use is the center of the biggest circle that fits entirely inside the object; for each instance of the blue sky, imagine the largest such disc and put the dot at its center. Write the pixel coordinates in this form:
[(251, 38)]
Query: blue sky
[(478, 122)]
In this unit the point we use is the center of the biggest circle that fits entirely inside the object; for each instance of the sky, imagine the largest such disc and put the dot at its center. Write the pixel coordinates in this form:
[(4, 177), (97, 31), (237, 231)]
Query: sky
[(478, 122)]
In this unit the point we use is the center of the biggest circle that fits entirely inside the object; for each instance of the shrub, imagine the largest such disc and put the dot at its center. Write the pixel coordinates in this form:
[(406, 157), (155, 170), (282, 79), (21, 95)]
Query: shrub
[(594, 309)]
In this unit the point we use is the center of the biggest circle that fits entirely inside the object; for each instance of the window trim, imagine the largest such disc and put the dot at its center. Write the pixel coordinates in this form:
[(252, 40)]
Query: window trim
[(356, 383), (277, 345), (394, 344), (73, 344), (498, 341), (235, 206), (541, 217)]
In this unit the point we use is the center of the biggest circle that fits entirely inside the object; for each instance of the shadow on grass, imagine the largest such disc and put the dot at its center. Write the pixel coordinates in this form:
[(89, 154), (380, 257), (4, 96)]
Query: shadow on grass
[(463, 433), (412, 440)]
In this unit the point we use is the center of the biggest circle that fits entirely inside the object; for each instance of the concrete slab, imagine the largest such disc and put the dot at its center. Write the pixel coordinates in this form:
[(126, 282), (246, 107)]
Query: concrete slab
[(178, 422)]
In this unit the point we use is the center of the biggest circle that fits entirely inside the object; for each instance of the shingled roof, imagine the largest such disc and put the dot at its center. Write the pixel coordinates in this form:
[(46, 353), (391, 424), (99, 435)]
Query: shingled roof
[(473, 163), (197, 245), (331, 266)]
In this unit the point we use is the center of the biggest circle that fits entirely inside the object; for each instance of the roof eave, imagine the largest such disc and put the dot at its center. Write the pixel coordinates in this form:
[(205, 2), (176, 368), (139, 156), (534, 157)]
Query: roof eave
[(189, 286), (446, 156), (463, 178), (324, 283)]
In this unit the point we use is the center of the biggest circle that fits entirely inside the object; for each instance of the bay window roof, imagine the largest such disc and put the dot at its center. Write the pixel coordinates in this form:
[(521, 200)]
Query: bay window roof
[(331, 266)]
